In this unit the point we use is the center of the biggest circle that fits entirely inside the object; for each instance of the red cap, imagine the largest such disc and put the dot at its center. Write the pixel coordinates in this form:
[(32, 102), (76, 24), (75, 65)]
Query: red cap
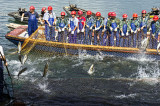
[(155, 18), (135, 15), (44, 8), (50, 8), (109, 14), (98, 14), (144, 11), (89, 13), (124, 16), (32, 8), (63, 13), (80, 12), (73, 13), (113, 14)]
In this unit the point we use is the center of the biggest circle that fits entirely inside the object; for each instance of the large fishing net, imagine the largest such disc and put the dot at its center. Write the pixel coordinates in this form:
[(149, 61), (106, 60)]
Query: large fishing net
[(37, 42)]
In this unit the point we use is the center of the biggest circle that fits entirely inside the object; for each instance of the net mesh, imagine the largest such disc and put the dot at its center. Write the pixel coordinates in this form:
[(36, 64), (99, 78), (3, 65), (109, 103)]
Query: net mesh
[(37, 42)]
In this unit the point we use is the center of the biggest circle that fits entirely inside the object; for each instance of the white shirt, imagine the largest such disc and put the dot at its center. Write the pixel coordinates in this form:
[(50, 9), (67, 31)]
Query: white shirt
[(1, 50), (75, 20), (47, 15)]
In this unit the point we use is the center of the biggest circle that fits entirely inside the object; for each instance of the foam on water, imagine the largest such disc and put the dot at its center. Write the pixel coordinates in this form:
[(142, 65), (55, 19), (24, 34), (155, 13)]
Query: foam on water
[(141, 58), (14, 64), (82, 54), (148, 73), (78, 64), (44, 87), (123, 96)]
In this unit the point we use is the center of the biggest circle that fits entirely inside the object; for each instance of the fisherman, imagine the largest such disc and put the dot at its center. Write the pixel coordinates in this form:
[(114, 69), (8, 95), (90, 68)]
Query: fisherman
[(88, 28), (113, 25), (154, 29), (98, 26), (1, 72), (105, 31), (143, 20), (134, 25), (32, 20), (61, 26), (44, 10), (73, 25), (81, 27), (50, 22), (124, 31)]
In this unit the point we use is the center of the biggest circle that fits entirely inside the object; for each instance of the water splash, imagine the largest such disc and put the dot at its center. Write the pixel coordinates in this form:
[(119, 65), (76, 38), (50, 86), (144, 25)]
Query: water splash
[(123, 96), (141, 58), (82, 54), (43, 87), (148, 73)]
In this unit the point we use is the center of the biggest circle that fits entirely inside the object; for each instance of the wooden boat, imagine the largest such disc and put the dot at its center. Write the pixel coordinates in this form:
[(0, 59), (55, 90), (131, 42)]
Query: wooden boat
[(13, 26), (73, 7), (19, 35), (18, 14)]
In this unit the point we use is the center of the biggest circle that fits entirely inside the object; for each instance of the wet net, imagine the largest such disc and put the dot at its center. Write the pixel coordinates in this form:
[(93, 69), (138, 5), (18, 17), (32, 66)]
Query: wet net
[(39, 43), (60, 42)]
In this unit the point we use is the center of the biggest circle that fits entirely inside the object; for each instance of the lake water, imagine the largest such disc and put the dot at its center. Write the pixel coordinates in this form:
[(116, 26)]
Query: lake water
[(116, 81)]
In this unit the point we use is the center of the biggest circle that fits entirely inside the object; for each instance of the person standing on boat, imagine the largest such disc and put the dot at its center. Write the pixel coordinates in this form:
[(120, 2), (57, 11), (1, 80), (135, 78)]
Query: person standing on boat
[(73, 25), (50, 22), (105, 30), (98, 26), (124, 31), (88, 28), (143, 21), (81, 27), (113, 25), (2, 58), (32, 20), (44, 10), (154, 29), (61, 26), (134, 24)]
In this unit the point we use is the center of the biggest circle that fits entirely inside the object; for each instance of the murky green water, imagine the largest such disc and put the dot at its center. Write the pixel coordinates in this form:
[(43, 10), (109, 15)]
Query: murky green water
[(116, 81)]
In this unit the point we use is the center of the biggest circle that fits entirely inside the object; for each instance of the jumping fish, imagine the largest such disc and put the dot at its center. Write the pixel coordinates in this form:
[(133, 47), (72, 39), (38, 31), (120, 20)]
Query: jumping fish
[(90, 71), (144, 43), (19, 47), (158, 46), (45, 69), (22, 71), (24, 59), (13, 53), (20, 58)]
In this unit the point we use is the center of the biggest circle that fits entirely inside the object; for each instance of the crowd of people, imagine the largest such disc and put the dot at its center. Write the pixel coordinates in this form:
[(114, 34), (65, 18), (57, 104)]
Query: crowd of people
[(95, 30)]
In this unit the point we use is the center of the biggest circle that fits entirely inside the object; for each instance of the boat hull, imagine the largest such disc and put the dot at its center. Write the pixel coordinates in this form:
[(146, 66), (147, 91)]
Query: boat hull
[(76, 49)]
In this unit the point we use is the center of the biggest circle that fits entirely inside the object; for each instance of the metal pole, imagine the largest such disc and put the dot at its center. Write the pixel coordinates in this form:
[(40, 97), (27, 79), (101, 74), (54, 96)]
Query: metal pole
[(1, 80)]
